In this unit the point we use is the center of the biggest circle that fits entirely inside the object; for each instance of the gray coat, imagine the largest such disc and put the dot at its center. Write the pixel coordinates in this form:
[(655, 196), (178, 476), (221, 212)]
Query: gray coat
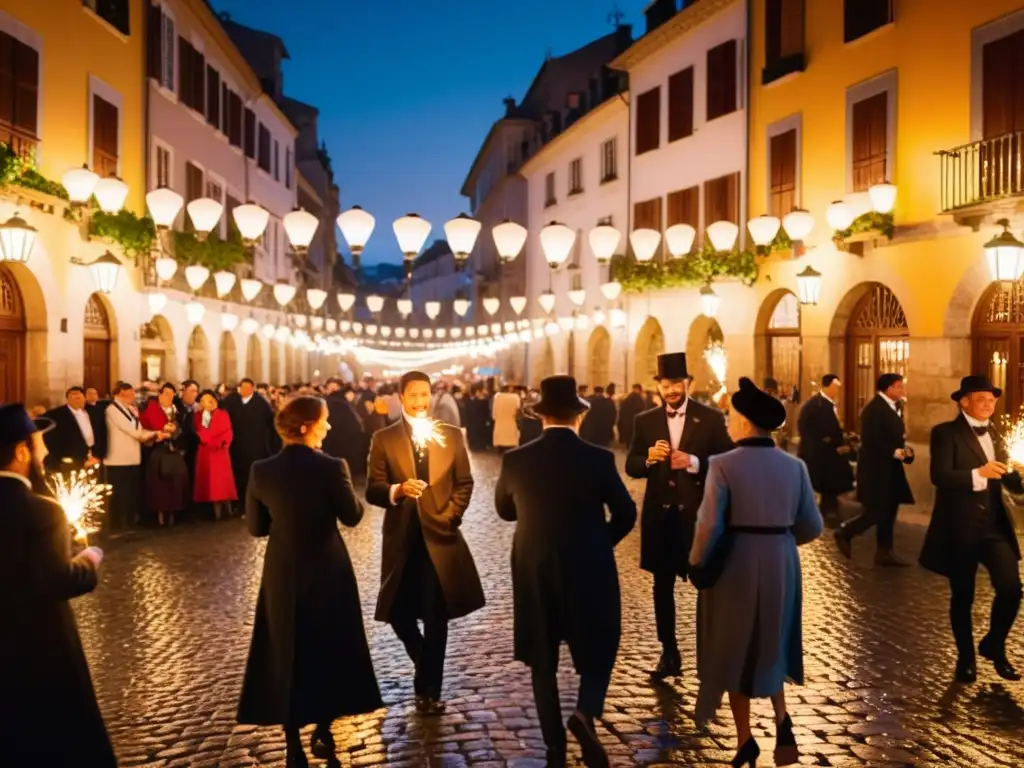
[(749, 624)]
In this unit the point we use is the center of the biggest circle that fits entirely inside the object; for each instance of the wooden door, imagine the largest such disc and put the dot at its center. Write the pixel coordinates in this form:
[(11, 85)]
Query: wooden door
[(12, 340), (96, 370), (1002, 116)]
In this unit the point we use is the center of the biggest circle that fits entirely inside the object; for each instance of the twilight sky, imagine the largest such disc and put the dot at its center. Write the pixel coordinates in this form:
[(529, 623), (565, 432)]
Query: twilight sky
[(407, 89)]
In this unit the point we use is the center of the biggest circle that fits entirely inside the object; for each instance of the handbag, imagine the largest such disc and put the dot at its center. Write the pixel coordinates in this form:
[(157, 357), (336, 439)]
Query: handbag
[(170, 464)]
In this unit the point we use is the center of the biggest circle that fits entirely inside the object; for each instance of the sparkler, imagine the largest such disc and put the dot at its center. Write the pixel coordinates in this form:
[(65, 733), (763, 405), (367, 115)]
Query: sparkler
[(1013, 440), (718, 362), (426, 431), (81, 497)]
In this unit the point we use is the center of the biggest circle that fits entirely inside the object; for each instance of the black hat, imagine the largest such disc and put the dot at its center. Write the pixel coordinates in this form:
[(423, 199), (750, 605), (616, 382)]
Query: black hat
[(759, 407), (16, 426), (976, 383), (672, 366), (558, 398)]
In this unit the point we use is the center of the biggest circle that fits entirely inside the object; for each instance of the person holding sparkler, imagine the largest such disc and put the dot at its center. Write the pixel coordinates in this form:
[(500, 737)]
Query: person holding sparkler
[(970, 525), (419, 473), (46, 682)]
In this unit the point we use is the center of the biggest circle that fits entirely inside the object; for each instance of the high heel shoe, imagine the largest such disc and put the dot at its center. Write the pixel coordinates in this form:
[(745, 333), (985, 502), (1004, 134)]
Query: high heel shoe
[(786, 752), (321, 743), (747, 755)]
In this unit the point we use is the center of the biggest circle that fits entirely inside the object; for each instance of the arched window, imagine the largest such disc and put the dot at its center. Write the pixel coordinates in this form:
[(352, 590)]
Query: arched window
[(877, 342), (998, 342), (783, 349)]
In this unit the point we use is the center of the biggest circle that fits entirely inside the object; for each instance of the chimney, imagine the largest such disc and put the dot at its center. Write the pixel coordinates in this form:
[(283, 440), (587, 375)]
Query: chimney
[(658, 12), (510, 106), (623, 37)]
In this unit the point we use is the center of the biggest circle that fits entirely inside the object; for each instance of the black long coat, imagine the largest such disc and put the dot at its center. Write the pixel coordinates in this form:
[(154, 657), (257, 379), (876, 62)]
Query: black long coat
[(253, 426), (881, 479), (598, 425), (45, 684), (665, 543), (347, 438), (308, 642), (439, 511), (821, 435), (65, 442), (565, 584), (959, 517), (632, 404)]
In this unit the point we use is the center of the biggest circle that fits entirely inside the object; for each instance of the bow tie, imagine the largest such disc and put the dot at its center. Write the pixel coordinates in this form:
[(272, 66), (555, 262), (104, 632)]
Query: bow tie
[(672, 414), (979, 431)]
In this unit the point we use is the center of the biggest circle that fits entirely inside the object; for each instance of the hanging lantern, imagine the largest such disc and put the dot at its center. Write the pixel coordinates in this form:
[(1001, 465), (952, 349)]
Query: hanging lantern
[(204, 212), (546, 301), (400, 332), (385, 331), (509, 239), (299, 320), (518, 304), (164, 206), (250, 326), (345, 326), (251, 288), (763, 229), (722, 235), (798, 224), (194, 311), (316, 324), (839, 215), (566, 323), (428, 333), (375, 303), (599, 317), (604, 240), (316, 298), (883, 197), (495, 329), (612, 290), (228, 321), (346, 300), (582, 321), (224, 281), (645, 243), (331, 325), (808, 285), (300, 226), (709, 301), (79, 183), (679, 239), (441, 333), (282, 333), (461, 306), (404, 307), (251, 220), (461, 232), (557, 241), (268, 331), (411, 231), (432, 308), (1005, 255), (157, 301), (166, 267), (283, 293), (481, 329), (578, 296), (105, 271), (110, 194), (17, 239), (617, 317), (414, 333), (456, 333), (508, 325), (356, 226), (491, 304), (196, 275)]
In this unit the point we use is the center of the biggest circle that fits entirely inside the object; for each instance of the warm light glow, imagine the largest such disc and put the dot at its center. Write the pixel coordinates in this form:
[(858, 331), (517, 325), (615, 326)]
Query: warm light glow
[(205, 212), (196, 275), (883, 197), (251, 220), (284, 293), (709, 302), (491, 304), (518, 304), (462, 232), (414, 333), (82, 498), (839, 215), (557, 241), (299, 320), (495, 328), (567, 322), (110, 194), (722, 235), (194, 311), (251, 288), (798, 224), (385, 331), (282, 333), (316, 298), (604, 240), (105, 271), (432, 308), (763, 229), (164, 206), (79, 183), (346, 300), (411, 231), (157, 301), (268, 331), (400, 332), (250, 326), (1005, 254), (546, 301), (645, 243), (426, 431), (375, 303), (461, 307), (356, 226), (224, 282), (718, 362), (166, 267), (679, 239), (808, 285), (617, 317), (300, 226), (578, 296), (509, 239), (316, 324), (228, 321), (17, 239), (612, 290), (599, 317)]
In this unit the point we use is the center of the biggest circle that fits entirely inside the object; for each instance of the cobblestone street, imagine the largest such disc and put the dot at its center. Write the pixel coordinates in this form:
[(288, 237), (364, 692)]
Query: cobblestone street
[(167, 634)]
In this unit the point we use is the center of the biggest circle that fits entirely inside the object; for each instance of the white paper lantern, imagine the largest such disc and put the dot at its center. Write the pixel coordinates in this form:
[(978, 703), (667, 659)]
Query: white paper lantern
[(612, 290), (798, 224), (110, 194), (839, 215), (645, 243), (79, 183), (461, 306), (722, 235), (164, 206), (250, 326), (224, 282), (679, 239), (509, 239), (356, 226), (491, 304), (462, 232), (432, 308), (204, 212), (604, 241), (578, 296), (411, 231), (346, 300), (157, 301), (194, 311), (251, 288), (268, 331), (316, 298), (404, 307), (300, 227), (251, 220), (375, 303), (196, 276), (228, 321), (763, 229), (557, 241), (284, 293), (883, 197)]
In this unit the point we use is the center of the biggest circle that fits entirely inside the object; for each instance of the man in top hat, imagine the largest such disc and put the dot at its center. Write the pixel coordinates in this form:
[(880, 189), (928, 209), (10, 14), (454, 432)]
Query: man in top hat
[(565, 582), (48, 708), (670, 448), (970, 525), (823, 445)]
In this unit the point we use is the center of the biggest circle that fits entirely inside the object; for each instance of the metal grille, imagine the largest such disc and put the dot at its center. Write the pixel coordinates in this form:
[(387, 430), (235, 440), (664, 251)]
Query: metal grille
[(1005, 305), (96, 315), (10, 298), (975, 173), (882, 311)]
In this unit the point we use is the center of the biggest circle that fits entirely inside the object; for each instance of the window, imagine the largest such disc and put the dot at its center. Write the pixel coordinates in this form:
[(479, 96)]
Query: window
[(680, 105), (162, 43), (722, 199), (215, 191), (782, 156), (263, 159), (863, 16), (683, 207), (230, 203), (549, 190), (114, 12), (576, 176), (213, 96), (194, 188), (870, 141), (104, 137), (19, 94), (721, 96), (277, 161), (609, 160), (1002, 89), (162, 165), (233, 117), (250, 133), (647, 215), (783, 39), (191, 76), (648, 121), (288, 167)]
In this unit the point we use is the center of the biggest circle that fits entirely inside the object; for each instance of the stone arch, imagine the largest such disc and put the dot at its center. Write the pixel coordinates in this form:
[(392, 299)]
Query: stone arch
[(199, 357), (275, 363), (99, 348), (23, 336), (228, 358), (704, 331), (650, 342), (159, 357), (599, 352), (254, 358), (778, 347), (967, 295)]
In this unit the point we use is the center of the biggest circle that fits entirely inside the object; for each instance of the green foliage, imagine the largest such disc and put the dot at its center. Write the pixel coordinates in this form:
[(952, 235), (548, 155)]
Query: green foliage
[(21, 171), (214, 253), (135, 235), (695, 269), (868, 222)]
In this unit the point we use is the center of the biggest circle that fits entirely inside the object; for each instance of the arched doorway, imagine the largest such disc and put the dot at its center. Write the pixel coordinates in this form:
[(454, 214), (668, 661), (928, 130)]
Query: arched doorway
[(997, 333), (599, 351), (275, 363), (158, 355), (228, 359), (877, 342), (254, 359), (650, 343), (12, 340), (780, 339), (199, 358), (704, 333), (96, 346)]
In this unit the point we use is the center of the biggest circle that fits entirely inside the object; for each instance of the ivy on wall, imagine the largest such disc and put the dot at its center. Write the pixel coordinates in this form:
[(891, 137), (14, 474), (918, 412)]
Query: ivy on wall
[(214, 253), (136, 235), (868, 222), (21, 171)]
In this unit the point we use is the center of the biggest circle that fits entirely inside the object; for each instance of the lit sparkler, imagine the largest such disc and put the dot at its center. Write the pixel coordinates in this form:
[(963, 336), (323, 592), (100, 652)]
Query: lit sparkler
[(81, 496), (1013, 440), (718, 362), (425, 431)]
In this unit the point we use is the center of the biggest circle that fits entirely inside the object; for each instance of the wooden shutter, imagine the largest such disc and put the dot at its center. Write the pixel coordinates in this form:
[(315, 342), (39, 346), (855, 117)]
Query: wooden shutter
[(104, 137), (264, 148), (154, 52), (198, 82), (721, 95), (26, 88), (680, 104), (783, 173), (184, 71), (250, 133), (193, 182), (647, 214), (870, 128), (648, 121), (683, 207), (1003, 86), (213, 95), (7, 79), (722, 200), (863, 16)]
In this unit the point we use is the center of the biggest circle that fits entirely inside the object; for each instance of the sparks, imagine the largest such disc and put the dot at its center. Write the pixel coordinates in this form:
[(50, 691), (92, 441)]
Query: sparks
[(1013, 440), (81, 496), (426, 431), (718, 362)]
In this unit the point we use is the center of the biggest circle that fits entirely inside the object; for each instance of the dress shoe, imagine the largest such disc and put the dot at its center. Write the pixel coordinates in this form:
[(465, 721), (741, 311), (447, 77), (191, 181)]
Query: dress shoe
[(966, 672), (321, 743), (582, 729), (428, 705), (888, 559), (669, 665), (998, 658), (295, 757), (786, 752), (747, 754), (844, 544)]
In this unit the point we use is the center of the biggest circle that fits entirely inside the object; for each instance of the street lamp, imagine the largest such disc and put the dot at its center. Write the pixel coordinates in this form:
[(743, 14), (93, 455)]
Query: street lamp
[(604, 241), (110, 194), (722, 235), (205, 212), (808, 285), (411, 231), (509, 239), (251, 220), (1005, 254), (461, 232), (164, 206), (375, 303), (557, 240), (356, 226), (17, 239), (104, 271), (645, 243), (883, 197), (679, 239), (709, 301), (300, 226), (80, 183)]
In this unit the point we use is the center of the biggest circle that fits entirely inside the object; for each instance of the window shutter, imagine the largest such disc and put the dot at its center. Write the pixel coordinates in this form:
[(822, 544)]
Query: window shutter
[(998, 87), (683, 207), (250, 133), (184, 70), (680, 105), (721, 95), (104, 137), (154, 29), (198, 82), (648, 121), (263, 159), (26, 88), (213, 95), (870, 124), (7, 79), (783, 173), (722, 200)]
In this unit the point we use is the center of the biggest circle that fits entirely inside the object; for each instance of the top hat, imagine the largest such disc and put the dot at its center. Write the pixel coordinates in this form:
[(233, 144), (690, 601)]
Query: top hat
[(558, 398), (760, 408), (16, 426), (976, 383), (672, 366)]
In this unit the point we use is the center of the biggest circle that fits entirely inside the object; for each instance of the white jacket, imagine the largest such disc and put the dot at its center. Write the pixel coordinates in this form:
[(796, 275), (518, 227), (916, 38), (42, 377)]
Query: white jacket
[(124, 437)]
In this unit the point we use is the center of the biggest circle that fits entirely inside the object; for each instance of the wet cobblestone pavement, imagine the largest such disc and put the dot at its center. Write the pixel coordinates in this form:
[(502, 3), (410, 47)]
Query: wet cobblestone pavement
[(167, 634)]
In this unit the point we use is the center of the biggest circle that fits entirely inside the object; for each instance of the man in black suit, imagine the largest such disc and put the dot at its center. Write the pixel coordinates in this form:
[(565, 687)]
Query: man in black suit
[(881, 478), (252, 422), (71, 441), (631, 405), (565, 581), (347, 438), (823, 445), (970, 525), (670, 447), (599, 425)]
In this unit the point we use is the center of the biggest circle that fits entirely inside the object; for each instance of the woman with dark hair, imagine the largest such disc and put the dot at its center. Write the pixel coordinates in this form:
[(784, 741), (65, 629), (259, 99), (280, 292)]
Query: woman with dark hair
[(215, 480), (309, 661), (166, 481)]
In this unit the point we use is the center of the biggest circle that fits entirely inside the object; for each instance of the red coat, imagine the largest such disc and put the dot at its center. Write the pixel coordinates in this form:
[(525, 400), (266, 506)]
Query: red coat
[(215, 480)]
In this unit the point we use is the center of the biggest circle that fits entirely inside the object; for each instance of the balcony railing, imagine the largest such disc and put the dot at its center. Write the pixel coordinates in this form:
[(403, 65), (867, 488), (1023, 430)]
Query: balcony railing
[(982, 172)]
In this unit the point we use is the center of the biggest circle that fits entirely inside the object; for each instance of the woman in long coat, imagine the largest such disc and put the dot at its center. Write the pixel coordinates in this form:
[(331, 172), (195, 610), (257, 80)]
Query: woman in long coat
[(166, 484), (749, 639), (504, 410), (215, 479), (309, 661)]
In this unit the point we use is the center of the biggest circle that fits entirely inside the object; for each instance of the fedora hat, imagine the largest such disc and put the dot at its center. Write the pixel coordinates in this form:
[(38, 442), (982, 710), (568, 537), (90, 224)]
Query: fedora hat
[(16, 426), (672, 366), (558, 398), (976, 383), (760, 408)]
